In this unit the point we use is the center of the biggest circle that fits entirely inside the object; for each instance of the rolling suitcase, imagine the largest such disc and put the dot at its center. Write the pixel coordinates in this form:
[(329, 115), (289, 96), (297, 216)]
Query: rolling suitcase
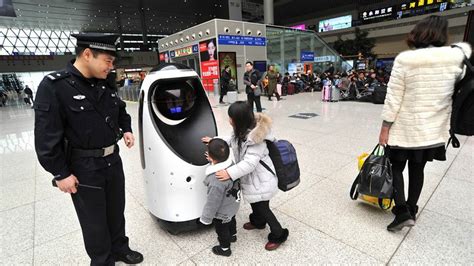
[(291, 89), (279, 89), (335, 94), (326, 94), (231, 96)]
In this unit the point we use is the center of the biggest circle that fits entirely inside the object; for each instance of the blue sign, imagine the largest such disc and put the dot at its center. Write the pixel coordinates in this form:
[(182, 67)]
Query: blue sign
[(172, 54), (241, 40), (195, 49), (307, 56)]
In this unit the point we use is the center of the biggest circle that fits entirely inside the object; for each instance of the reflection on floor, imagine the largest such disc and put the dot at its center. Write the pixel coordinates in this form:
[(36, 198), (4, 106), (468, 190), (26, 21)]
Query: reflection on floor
[(38, 224)]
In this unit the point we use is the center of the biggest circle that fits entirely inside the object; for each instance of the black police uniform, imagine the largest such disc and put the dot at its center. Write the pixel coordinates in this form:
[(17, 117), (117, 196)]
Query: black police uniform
[(72, 109)]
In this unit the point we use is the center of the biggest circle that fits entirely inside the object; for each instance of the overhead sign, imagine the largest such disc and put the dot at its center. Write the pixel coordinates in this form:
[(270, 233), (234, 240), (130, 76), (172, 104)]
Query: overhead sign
[(307, 56), (335, 23), (189, 50), (326, 58), (420, 7), (299, 27), (241, 40), (377, 14)]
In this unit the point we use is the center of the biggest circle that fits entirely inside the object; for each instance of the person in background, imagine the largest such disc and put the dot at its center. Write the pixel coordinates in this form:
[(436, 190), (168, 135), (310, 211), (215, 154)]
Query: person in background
[(272, 83), (29, 94), (252, 80), (225, 80), (416, 114)]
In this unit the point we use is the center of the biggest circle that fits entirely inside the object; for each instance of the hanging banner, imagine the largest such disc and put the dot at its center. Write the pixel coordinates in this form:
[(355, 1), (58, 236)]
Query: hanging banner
[(209, 63)]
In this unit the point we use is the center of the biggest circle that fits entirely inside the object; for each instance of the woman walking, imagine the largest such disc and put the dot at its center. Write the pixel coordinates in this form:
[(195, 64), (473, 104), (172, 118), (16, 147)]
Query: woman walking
[(417, 110), (225, 80), (272, 83)]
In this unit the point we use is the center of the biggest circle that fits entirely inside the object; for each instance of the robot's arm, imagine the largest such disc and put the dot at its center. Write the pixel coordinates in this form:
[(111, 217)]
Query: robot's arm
[(215, 196)]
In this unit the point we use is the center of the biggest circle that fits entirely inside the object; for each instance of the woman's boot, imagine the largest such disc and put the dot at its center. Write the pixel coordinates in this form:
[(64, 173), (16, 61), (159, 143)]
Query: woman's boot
[(402, 219)]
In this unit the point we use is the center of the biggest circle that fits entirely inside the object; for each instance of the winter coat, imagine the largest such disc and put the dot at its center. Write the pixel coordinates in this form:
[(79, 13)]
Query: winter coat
[(257, 183), (419, 92), (251, 78), (225, 79), (272, 81), (223, 197)]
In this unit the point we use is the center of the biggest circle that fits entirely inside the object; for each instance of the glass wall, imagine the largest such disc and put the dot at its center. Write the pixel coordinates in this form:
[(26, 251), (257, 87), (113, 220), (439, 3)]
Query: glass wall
[(285, 46), (16, 41)]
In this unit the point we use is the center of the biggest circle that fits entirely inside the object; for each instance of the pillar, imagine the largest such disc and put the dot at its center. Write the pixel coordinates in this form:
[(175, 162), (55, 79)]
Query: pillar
[(268, 12)]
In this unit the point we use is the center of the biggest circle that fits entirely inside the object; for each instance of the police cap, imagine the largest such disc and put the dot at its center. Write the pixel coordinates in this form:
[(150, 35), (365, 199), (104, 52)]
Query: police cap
[(98, 41)]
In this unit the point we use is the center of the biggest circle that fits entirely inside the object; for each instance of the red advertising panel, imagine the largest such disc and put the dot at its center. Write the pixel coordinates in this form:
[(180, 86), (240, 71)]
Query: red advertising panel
[(165, 57), (209, 63)]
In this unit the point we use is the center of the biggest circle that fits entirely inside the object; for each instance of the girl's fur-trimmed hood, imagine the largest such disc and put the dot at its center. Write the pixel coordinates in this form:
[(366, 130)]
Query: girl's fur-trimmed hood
[(262, 130)]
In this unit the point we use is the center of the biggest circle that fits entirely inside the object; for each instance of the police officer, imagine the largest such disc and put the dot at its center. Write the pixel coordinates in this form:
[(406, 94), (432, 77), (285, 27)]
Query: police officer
[(79, 119)]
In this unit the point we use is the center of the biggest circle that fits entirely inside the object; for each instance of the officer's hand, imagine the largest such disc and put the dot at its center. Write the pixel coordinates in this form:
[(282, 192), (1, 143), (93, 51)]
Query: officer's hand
[(68, 184), (129, 139)]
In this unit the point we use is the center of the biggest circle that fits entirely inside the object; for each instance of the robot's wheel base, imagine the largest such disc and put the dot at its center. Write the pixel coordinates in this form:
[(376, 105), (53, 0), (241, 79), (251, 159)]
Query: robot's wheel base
[(176, 228)]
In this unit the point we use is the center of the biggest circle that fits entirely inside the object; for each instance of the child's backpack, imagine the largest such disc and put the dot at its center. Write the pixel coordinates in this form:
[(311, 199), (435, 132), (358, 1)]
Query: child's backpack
[(283, 156), (462, 116)]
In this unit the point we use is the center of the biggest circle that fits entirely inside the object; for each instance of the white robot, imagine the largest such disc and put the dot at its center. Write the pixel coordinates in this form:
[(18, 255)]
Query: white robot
[(174, 113)]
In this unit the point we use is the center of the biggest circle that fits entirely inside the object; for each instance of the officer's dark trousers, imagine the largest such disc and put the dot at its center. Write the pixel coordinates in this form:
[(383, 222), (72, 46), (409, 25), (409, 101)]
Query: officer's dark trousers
[(100, 213)]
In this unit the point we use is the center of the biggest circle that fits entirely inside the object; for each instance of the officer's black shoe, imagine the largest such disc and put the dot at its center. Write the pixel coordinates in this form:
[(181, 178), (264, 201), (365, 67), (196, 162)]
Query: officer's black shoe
[(130, 257), (219, 251)]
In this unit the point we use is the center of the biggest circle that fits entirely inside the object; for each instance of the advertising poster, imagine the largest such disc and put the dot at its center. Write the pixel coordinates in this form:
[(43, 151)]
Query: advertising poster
[(299, 27), (209, 63), (228, 59), (164, 57), (335, 23)]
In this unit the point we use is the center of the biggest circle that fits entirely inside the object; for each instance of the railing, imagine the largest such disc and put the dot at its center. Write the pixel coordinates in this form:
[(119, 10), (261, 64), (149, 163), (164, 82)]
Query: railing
[(129, 93)]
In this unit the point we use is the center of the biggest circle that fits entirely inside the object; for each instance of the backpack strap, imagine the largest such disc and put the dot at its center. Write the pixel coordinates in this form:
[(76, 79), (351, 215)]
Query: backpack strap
[(465, 60), (267, 167)]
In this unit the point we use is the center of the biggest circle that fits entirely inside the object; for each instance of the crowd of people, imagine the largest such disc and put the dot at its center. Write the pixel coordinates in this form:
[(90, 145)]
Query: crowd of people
[(352, 85)]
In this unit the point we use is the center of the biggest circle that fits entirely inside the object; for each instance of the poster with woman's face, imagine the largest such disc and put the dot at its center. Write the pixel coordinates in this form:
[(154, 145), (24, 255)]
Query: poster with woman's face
[(209, 63), (208, 50), (164, 57)]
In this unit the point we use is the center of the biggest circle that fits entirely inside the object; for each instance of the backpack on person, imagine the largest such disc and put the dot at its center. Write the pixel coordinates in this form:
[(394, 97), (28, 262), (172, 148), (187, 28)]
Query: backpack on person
[(462, 116), (283, 155)]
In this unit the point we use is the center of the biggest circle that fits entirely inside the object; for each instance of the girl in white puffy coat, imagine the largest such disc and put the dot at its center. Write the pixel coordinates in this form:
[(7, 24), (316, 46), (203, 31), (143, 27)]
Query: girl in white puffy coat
[(258, 185)]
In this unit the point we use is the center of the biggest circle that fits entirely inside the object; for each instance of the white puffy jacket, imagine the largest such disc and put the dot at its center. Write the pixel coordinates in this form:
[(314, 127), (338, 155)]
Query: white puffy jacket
[(257, 183), (419, 95)]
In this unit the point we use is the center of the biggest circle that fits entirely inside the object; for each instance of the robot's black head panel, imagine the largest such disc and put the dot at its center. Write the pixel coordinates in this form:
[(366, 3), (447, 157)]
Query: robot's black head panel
[(182, 115), (175, 100)]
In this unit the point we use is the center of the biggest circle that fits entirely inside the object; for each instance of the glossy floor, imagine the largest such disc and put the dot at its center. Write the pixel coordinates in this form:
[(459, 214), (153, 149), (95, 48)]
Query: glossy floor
[(38, 224)]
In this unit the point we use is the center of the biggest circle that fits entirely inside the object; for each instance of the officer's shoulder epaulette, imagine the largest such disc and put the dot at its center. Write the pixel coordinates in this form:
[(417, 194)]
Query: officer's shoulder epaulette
[(58, 75)]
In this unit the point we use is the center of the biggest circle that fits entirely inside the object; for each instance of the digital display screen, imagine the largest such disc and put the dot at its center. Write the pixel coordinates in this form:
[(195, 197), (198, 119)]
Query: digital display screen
[(335, 23), (175, 101), (176, 110)]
